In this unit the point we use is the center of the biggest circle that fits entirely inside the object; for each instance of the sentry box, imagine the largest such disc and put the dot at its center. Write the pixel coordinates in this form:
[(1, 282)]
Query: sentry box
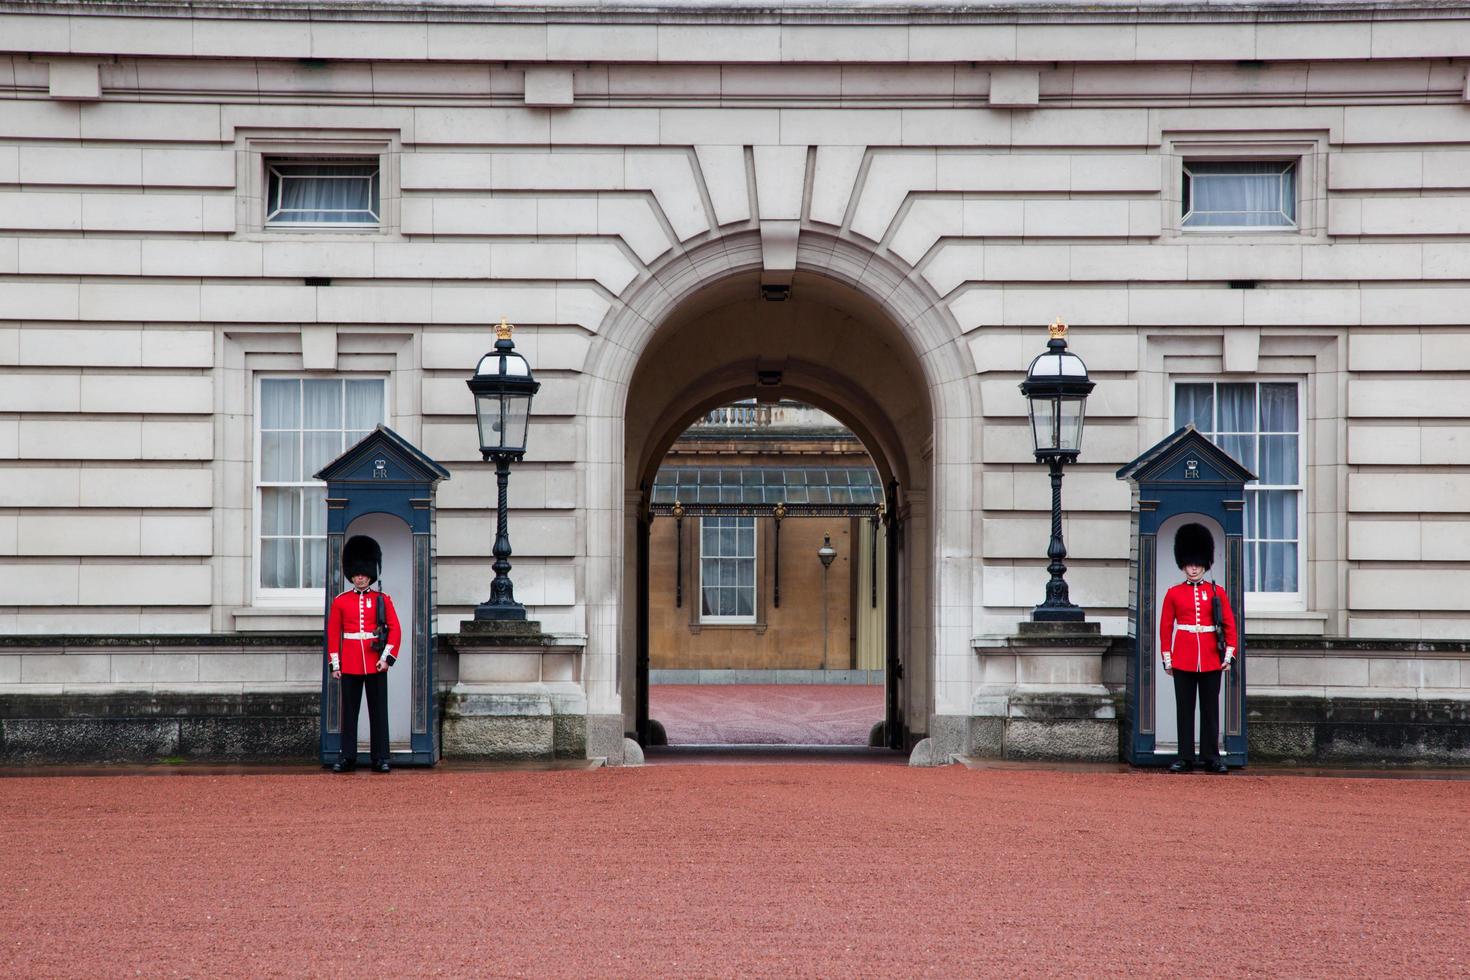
[(383, 487), (1185, 478)]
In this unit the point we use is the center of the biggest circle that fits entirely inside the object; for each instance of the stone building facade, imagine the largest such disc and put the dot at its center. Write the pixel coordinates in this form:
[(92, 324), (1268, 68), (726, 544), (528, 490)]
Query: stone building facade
[(233, 235)]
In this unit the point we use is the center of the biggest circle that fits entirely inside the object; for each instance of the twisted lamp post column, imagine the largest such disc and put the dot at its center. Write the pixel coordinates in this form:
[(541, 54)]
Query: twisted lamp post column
[(502, 591)]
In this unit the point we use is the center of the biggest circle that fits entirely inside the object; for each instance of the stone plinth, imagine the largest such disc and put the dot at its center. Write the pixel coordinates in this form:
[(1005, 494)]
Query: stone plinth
[(519, 695), (1042, 696)]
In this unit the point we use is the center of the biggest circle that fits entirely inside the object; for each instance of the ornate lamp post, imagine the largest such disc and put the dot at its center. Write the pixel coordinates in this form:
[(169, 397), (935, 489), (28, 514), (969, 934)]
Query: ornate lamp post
[(826, 553), (1057, 386), (502, 387)]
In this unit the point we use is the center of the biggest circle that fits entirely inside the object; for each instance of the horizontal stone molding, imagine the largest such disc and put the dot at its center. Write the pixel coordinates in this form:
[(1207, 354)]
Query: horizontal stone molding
[(796, 33)]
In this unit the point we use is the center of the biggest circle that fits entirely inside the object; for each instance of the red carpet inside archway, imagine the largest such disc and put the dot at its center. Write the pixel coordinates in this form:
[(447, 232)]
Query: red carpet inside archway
[(766, 714)]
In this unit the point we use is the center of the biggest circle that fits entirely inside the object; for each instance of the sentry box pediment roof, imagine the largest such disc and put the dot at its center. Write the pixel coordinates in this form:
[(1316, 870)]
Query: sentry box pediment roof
[(383, 456), (1186, 457)]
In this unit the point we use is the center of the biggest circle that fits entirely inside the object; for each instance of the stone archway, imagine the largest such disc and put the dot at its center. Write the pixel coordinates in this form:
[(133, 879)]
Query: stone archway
[(859, 338)]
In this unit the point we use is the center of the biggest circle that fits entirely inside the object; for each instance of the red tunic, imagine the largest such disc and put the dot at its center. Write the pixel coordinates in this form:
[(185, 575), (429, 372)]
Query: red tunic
[(1193, 645), (350, 625)]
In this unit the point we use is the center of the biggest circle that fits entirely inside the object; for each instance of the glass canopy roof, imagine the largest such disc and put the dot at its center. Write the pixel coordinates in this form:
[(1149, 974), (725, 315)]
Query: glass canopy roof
[(767, 485)]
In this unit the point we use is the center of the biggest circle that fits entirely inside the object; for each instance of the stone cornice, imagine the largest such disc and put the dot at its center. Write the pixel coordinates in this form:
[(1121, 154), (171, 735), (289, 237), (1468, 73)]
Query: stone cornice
[(758, 12), (843, 33)]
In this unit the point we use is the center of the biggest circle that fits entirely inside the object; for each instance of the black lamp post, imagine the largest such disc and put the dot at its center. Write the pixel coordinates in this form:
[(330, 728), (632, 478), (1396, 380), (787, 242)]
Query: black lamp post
[(1057, 386), (826, 553), (502, 387)]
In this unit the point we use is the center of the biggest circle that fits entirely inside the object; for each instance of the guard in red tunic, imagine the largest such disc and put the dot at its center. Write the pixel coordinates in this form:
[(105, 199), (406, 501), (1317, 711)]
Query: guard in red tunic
[(362, 637), (1191, 652)]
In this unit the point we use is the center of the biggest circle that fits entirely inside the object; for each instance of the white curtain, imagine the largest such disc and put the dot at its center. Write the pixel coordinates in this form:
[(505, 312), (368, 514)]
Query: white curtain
[(363, 408), (324, 192), (280, 436), (1195, 403), (1272, 555), (1241, 195), (1258, 425), (1236, 404), (305, 424), (322, 420)]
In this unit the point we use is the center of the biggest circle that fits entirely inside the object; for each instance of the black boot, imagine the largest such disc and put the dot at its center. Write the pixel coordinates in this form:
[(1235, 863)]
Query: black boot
[(1182, 765), (343, 765)]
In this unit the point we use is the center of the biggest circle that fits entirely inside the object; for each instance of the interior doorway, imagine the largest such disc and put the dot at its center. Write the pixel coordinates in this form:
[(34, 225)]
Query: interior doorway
[(766, 592)]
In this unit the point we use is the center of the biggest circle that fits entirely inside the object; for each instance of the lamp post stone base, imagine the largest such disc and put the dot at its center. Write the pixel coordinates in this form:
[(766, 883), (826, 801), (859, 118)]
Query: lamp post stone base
[(1042, 697), (519, 694)]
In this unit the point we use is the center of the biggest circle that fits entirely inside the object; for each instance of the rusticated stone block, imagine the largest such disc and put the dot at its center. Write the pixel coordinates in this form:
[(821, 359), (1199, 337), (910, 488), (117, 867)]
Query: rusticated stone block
[(144, 726), (569, 735), (41, 740), (1281, 741), (499, 726), (249, 738), (605, 739), (1073, 740)]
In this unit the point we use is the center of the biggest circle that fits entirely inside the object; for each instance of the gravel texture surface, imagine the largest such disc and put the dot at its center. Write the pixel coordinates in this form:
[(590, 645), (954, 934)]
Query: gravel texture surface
[(770, 870), (766, 714)]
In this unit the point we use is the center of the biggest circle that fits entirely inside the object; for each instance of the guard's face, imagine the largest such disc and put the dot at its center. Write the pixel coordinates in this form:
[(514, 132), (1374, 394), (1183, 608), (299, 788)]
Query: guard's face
[(1191, 572), (361, 581)]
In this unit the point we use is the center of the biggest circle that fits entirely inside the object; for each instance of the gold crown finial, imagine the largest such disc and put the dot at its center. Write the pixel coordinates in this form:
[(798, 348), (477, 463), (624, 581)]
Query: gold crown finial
[(1058, 329), (503, 329)]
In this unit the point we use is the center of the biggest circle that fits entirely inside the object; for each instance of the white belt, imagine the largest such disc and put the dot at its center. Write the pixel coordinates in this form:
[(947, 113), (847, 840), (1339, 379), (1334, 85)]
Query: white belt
[(372, 636), (1194, 629)]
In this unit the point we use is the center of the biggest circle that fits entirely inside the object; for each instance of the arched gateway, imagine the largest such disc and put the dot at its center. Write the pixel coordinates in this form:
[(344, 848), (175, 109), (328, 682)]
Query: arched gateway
[(859, 337)]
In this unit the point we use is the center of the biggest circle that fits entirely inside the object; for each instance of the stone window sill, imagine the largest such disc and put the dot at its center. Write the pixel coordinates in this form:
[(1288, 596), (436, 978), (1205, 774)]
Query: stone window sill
[(1285, 623), (255, 619)]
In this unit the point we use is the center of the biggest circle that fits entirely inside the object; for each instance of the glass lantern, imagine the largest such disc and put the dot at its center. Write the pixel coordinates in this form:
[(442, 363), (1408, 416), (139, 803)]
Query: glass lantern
[(503, 387)]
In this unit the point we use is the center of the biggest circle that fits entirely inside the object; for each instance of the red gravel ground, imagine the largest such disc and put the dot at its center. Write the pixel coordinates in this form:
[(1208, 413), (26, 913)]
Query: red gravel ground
[(688, 870), (766, 714)]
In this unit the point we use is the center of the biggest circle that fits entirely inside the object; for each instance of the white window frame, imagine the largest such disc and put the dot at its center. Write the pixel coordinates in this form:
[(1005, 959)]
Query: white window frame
[(1306, 148), (1268, 601), (272, 166), (289, 598), (753, 558), (256, 147), (1292, 164)]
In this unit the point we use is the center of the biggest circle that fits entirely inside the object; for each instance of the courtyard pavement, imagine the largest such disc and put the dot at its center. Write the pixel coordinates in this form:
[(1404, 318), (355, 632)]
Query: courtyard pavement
[(766, 714), (726, 870)]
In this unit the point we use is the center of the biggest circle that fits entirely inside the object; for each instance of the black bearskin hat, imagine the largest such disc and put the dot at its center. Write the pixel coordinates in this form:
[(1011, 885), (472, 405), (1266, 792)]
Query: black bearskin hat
[(361, 556), (1194, 545)]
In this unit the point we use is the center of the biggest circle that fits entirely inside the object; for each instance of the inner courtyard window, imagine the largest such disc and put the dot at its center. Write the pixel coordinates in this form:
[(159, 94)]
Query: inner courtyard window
[(727, 570), (303, 424), (1258, 423)]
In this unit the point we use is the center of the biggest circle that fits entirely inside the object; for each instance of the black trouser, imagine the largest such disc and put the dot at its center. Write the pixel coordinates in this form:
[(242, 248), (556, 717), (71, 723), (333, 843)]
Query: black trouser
[(377, 700), (1186, 684)]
